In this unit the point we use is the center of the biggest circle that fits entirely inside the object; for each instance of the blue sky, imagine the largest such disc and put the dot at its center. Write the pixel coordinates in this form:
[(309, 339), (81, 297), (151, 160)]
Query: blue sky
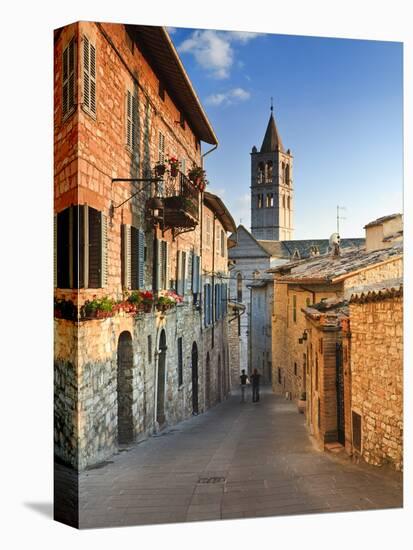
[(337, 105)]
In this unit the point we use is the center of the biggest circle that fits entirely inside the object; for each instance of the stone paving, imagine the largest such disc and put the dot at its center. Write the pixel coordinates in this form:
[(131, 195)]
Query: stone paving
[(238, 460)]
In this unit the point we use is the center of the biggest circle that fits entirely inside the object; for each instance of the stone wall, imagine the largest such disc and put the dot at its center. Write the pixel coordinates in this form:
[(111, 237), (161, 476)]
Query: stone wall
[(377, 377), (288, 326), (392, 269)]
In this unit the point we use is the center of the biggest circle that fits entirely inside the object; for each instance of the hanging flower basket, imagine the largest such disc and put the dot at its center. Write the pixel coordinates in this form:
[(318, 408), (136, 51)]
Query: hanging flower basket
[(160, 169), (173, 166)]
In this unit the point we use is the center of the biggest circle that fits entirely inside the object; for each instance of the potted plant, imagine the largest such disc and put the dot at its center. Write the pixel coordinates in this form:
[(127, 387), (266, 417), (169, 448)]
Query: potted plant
[(160, 169), (198, 176), (173, 166), (147, 301), (301, 404), (135, 301)]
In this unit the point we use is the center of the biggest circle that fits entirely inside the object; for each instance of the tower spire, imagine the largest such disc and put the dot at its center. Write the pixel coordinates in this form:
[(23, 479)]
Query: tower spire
[(272, 105)]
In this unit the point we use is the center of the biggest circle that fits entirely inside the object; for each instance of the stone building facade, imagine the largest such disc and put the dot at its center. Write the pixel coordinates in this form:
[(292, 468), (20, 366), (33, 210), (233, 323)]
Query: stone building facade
[(376, 326), (123, 229), (298, 285)]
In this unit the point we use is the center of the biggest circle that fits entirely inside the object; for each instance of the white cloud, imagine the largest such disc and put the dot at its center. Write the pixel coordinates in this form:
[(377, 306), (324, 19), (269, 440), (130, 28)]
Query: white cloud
[(228, 98), (171, 30), (213, 51)]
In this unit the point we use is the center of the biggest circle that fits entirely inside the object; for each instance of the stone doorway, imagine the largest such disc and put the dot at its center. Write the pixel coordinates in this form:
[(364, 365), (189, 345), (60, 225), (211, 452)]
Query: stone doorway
[(160, 394), (194, 363), (124, 388)]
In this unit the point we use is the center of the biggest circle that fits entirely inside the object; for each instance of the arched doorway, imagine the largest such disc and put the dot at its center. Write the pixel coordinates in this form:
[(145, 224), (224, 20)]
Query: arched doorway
[(124, 388), (219, 380), (194, 362), (160, 394), (208, 382)]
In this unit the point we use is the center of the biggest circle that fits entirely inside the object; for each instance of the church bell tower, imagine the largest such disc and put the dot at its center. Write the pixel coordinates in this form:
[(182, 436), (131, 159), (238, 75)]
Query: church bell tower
[(272, 188)]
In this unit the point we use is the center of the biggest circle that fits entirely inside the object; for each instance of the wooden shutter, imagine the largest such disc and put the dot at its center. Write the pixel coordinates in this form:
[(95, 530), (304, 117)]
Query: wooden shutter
[(195, 274), (89, 75), (178, 284), (157, 252), (68, 78), (131, 120), (104, 251), (161, 148), (95, 248), (55, 250), (141, 259), (126, 255), (183, 271)]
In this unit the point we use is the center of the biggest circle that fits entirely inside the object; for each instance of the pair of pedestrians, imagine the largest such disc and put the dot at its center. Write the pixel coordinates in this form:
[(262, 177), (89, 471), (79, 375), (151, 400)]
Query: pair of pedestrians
[(255, 382)]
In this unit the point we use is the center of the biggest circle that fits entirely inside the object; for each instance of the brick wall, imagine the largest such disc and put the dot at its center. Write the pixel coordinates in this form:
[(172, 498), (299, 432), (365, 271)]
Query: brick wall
[(377, 378)]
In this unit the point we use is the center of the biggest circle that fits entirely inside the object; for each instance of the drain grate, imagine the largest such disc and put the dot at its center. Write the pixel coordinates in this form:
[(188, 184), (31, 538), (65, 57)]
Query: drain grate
[(214, 479)]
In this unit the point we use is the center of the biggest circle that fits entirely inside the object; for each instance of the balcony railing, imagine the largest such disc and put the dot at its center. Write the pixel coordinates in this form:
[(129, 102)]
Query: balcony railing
[(181, 204)]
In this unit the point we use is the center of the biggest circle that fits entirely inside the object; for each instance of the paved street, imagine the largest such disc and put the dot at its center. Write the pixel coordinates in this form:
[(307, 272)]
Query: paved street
[(238, 460)]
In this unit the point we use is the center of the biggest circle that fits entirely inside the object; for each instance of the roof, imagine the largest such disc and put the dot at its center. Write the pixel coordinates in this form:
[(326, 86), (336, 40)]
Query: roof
[(237, 251), (160, 51), (218, 207), (272, 140), (381, 220), (330, 269), (286, 249), (379, 291)]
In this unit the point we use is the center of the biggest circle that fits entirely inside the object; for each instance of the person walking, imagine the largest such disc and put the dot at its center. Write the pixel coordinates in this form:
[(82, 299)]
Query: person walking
[(244, 382), (255, 380)]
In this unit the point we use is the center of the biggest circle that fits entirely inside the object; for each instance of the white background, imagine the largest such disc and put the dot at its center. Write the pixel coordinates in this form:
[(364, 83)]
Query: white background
[(26, 201)]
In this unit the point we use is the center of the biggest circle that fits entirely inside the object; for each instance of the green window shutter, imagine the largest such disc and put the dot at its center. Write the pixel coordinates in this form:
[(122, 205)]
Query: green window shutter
[(157, 261), (178, 272), (95, 248), (104, 253), (183, 271), (55, 250), (126, 255), (141, 259), (63, 249)]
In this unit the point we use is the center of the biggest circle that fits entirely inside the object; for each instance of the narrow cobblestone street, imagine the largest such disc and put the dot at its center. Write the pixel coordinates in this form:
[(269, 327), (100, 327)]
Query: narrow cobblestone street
[(238, 460)]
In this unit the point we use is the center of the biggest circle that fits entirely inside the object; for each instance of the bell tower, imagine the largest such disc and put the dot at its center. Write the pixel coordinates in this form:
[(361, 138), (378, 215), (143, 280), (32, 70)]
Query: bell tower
[(272, 188)]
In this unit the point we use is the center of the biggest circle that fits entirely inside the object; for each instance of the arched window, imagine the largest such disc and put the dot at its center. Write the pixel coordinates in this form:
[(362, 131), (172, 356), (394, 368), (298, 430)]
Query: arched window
[(283, 201), (288, 203), (260, 173), (239, 287), (287, 174), (269, 171)]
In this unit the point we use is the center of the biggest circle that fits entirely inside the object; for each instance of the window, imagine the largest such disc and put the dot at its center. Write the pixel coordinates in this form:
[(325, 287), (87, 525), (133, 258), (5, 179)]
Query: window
[(68, 79), (270, 200), (196, 264), (260, 174), (283, 201), (132, 257), (181, 262), (180, 363), (289, 203), (131, 121), (260, 198), (161, 273), (222, 243), (287, 174), (207, 305), (269, 171), (161, 148), (295, 309), (89, 76), (80, 248), (239, 287), (208, 230)]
